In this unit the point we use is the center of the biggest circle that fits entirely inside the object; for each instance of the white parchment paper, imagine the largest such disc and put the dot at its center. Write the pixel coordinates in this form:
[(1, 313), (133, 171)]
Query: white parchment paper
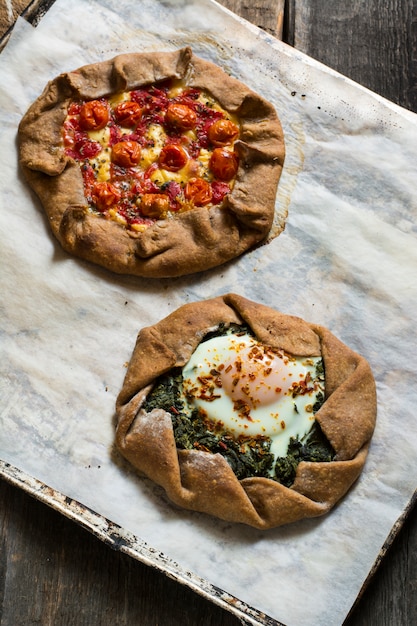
[(347, 260)]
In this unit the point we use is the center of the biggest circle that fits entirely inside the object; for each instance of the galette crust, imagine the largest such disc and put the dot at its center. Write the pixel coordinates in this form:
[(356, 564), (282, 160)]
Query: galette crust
[(194, 241), (204, 482)]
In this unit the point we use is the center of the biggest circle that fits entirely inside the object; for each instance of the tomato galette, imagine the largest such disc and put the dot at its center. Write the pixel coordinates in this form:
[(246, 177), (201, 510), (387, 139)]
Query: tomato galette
[(154, 164), (245, 413)]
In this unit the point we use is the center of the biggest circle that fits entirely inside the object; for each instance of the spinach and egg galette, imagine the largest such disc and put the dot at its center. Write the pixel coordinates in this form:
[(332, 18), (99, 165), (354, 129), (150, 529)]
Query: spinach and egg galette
[(245, 413)]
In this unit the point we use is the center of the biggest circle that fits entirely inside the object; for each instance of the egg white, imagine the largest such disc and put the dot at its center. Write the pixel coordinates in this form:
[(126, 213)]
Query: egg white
[(281, 417)]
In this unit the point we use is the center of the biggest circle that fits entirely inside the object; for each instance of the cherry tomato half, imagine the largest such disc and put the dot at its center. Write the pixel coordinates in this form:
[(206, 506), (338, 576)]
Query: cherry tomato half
[(105, 195), (128, 113), (222, 132), (219, 191), (86, 149), (154, 205), (94, 115), (126, 153), (180, 116), (199, 191), (172, 158), (224, 164)]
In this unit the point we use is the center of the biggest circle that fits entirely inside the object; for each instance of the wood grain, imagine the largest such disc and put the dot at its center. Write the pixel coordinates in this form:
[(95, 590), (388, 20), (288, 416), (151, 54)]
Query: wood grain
[(372, 42), (267, 15), (54, 573)]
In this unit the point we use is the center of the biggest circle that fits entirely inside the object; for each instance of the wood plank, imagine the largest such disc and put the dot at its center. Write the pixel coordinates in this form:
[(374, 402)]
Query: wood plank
[(268, 15), (390, 598), (54, 573), (372, 42)]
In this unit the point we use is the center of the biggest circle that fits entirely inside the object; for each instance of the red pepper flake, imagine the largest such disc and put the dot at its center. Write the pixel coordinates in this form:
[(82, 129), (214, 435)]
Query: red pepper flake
[(200, 446), (209, 398), (246, 390), (243, 409), (301, 388)]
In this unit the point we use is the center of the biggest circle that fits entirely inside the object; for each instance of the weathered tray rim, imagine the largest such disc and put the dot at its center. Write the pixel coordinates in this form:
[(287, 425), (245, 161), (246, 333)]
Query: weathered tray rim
[(126, 542)]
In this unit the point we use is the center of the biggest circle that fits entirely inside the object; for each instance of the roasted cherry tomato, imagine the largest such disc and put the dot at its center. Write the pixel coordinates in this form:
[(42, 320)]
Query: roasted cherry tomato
[(223, 164), (199, 191), (180, 116), (154, 204), (128, 113), (94, 115), (222, 132), (105, 195), (172, 158), (126, 153)]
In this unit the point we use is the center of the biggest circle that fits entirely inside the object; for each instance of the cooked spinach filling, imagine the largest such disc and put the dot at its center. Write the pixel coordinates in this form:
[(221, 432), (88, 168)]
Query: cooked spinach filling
[(247, 456)]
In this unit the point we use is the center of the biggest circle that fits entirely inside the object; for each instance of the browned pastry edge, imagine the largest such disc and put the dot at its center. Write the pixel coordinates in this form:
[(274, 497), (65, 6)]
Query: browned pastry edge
[(194, 241), (203, 481)]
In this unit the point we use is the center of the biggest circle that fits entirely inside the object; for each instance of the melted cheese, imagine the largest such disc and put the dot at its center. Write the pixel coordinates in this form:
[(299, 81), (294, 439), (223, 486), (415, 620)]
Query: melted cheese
[(204, 163), (101, 163), (157, 136), (161, 176), (101, 136), (117, 98)]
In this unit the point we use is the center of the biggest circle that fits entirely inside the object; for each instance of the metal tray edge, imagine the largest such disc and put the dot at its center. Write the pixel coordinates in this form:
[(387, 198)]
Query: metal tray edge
[(120, 539)]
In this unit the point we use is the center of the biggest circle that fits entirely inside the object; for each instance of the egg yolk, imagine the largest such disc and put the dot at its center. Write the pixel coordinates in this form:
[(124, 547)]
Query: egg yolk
[(255, 375)]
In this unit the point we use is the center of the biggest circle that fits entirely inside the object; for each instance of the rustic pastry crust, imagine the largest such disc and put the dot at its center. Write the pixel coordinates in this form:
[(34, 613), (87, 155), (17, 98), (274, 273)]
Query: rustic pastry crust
[(203, 481), (193, 241)]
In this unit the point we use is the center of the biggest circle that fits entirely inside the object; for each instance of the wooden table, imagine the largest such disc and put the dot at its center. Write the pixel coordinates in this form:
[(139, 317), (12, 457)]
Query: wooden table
[(54, 573)]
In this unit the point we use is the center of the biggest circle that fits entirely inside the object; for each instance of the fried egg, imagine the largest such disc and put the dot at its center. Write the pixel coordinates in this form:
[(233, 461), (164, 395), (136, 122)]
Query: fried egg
[(247, 389)]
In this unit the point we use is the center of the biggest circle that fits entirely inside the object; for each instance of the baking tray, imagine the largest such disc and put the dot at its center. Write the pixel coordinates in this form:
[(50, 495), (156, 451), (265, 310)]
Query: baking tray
[(332, 127)]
